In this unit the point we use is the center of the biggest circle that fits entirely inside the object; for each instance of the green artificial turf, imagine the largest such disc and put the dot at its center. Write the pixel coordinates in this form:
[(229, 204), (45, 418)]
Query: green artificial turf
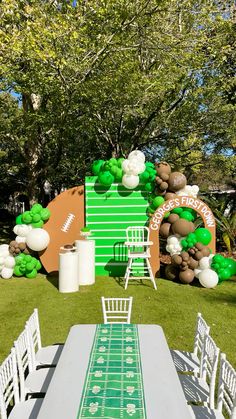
[(173, 306)]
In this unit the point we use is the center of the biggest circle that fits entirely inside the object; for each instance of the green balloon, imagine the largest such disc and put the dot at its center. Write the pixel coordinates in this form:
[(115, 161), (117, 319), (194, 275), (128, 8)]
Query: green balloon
[(19, 219), (232, 266), (150, 164), (120, 161), (184, 243), (186, 215), (17, 271), (22, 269), (218, 259), (96, 166), (45, 214), (224, 274), (38, 265), (36, 218), (28, 258), (39, 224), (106, 178), (150, 210), (152, 176), (148, 187), (158, 201), (203, 235), (36, 208), (29, 266), (113, 170), (119, 175), (20, 258), (113, 162), (144, 176), (26, 217), (166, 215), (177, 210), (31, 274)]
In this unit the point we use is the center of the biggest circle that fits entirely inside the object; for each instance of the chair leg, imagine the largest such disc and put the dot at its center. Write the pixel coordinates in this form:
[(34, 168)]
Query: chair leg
[(151, 274), (127, 272)]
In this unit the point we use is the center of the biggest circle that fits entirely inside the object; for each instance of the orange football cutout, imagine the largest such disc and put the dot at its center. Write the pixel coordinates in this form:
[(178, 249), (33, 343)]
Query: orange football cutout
[(64, 224)]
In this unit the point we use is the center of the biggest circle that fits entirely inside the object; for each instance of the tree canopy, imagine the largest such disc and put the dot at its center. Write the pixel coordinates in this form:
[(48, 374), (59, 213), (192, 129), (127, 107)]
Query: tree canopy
[(97, 79)]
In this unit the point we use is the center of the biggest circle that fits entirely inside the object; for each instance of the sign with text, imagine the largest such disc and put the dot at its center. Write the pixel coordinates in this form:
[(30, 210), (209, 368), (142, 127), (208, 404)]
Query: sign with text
[(181, 201)]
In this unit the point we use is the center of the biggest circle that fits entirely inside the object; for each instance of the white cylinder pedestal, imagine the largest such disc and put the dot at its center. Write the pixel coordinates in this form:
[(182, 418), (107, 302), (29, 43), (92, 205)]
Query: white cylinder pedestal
[(86, 261), (68, 272)]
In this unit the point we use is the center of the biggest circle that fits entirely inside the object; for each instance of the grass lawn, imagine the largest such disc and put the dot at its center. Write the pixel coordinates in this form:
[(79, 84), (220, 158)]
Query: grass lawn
[(173, 306)]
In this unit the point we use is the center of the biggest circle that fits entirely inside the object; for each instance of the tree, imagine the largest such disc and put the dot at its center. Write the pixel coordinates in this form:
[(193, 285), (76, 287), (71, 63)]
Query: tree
[(103, 78)]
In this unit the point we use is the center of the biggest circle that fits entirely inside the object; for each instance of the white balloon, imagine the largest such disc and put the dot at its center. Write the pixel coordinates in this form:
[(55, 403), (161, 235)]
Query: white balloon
[(9, 262), (197, 272), (125, 166), (4, 250), (6, 273), (2, 260), (22, 229), (137, 154), (208, 278), (20, 239), (188, 190), (37, 239), (204, 263), (173, 245), (130, 181)]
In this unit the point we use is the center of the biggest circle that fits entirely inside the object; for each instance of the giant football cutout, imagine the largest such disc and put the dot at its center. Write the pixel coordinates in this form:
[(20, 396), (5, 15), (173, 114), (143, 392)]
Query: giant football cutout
[(64, 225)]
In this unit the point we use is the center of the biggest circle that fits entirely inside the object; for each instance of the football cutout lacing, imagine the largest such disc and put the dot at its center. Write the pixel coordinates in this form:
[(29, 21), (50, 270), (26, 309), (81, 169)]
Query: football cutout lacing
[(67, 223)]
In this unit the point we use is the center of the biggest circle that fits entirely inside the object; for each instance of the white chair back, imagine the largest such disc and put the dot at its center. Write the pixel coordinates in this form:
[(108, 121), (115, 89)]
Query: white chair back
[(9, 391), (209, 366), (24, 360), (202, 329), (227, 388), (117, 310), (33, 327), (137, 234)]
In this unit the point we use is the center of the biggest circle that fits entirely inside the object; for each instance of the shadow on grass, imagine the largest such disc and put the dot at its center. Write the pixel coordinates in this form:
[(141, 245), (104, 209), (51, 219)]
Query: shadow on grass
[(52, 277)]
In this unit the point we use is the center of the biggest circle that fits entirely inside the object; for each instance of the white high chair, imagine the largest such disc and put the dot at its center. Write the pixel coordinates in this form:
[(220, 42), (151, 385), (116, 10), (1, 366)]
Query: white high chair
[(138, 245)]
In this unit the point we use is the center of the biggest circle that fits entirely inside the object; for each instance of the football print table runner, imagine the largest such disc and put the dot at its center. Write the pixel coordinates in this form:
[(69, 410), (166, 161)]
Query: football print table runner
[(113, 386)]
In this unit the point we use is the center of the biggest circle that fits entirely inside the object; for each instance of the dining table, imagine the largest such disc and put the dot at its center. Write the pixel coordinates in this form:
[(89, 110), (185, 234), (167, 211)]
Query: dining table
[(111, 371)]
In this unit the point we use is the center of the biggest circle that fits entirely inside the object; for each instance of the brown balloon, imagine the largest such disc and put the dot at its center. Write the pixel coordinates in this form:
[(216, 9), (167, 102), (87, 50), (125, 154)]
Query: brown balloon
[(172, 218), (206, 251), (185, 256), (163, 167), (165, 230), (164, 176), (182, 227), (176, 181), (192, 263), (163, 186), (198, 255), (158, 180), (170, 195), (176, 260), (186, 277), (171, 272), (199, 246)]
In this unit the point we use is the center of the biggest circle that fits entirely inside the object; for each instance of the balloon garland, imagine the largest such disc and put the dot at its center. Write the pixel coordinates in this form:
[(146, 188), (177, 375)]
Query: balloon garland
[(190, 256), (18, 257)]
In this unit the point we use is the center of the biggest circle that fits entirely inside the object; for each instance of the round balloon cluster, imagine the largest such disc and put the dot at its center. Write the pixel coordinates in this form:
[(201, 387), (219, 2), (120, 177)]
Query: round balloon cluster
[(35, 217), (191, 258), (7, 262), (17, 257), (171, 184), (130, 172), (108, 171), (26, 265)]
